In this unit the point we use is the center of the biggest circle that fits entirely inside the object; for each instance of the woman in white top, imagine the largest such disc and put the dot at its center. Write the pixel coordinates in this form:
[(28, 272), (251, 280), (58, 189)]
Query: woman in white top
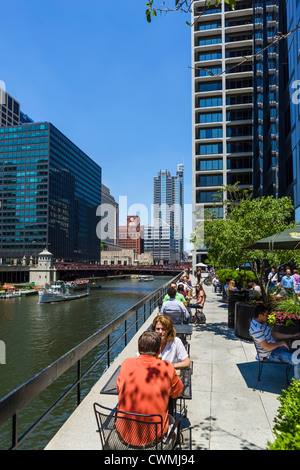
[(171, 348)]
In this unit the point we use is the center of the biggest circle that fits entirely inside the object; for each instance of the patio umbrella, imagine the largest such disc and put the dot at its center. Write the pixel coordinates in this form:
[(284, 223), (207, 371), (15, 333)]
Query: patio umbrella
[(287, 240), (202, 265)]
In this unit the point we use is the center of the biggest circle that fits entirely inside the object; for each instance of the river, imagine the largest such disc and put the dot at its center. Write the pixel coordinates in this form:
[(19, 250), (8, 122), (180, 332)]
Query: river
[(35, 335)]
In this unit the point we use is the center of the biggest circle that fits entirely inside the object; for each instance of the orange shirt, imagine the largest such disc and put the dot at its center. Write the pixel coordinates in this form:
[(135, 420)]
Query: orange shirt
[(144, 386)]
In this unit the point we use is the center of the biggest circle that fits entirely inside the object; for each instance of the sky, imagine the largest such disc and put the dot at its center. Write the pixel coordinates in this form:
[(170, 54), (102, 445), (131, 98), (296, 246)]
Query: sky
[(115, 85)]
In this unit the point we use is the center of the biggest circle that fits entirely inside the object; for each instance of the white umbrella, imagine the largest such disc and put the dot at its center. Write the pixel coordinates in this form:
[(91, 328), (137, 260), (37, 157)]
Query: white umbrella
[(202, 264)]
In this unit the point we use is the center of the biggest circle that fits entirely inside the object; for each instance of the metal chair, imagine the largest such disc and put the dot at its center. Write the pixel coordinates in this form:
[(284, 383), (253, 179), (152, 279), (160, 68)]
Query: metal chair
[(262, 361), (121, 430), (176, 317)]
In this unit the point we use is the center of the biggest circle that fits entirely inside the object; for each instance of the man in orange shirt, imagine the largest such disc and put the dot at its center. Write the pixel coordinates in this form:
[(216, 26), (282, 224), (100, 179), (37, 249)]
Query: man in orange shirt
[(144, 386)]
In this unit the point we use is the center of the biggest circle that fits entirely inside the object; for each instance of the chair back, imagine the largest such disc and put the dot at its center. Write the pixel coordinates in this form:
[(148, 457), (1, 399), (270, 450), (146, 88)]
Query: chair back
[(176, 317), (120, 430)]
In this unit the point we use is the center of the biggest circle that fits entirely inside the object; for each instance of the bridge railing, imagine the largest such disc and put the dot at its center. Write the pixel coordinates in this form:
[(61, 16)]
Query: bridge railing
[(14, 402)]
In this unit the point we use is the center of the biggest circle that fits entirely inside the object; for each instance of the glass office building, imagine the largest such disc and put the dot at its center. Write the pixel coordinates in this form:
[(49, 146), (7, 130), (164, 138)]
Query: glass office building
[(293, 100), (49, 194), (276, 101)]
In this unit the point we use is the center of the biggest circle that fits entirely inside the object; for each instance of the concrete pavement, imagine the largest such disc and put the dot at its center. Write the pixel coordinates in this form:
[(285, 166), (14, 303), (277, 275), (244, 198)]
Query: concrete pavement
[(224, 413)]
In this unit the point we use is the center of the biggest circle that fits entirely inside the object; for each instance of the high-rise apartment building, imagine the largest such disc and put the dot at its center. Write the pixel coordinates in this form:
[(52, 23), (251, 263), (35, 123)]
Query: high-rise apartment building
[(222, 100), (245, 122), (165, 237)]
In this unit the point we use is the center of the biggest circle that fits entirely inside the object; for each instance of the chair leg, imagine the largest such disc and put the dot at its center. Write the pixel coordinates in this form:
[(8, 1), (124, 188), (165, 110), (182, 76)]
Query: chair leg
[(288, 368), (260, 367)]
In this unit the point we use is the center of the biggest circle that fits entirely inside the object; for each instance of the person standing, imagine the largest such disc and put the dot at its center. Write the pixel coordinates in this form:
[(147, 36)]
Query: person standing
[(288, 282), (296, 276)]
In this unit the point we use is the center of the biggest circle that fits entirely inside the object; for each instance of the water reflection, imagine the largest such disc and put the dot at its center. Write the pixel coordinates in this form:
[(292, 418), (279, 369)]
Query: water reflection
[(36, 335)]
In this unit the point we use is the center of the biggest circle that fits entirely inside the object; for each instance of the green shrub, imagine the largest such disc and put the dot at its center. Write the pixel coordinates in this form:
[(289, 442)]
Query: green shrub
[(287, 421), (235, 275)]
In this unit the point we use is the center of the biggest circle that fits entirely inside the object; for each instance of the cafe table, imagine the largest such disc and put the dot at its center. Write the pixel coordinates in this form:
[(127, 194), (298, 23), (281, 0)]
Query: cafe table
[(110, 388)]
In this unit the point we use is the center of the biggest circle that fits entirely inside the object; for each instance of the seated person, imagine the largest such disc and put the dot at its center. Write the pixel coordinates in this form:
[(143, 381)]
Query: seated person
[(172, 305), (216, 283), (256, 287), (271, 345), (144, 386), (188, 288), (171, 348), (200, 296), (181, 292), (231, 287), (179, 295)]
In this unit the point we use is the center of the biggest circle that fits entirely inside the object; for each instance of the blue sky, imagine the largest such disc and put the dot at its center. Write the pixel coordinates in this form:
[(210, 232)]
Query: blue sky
[(117, 86)]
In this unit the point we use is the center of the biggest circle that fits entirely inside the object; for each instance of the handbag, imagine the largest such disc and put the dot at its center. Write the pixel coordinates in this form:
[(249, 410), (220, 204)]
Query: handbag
[(200, 317)]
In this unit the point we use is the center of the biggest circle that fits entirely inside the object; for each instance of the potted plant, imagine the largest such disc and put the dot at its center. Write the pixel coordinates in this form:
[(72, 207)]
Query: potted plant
[(285, 316)]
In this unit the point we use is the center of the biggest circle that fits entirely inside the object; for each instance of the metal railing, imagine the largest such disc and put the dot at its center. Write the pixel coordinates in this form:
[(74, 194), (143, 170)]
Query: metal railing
[(14, 402)]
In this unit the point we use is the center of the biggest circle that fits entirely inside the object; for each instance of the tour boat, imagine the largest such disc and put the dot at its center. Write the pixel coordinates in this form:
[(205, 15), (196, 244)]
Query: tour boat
[(145, 278), (60, 291), (10, 293)]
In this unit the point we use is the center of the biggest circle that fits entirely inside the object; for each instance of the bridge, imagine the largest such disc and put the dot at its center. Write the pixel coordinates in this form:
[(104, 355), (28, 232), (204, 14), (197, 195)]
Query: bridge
[(83, 270), (68, 271)]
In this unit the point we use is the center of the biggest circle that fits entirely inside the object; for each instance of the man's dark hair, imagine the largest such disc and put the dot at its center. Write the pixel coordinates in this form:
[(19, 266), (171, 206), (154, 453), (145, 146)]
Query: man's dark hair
[(149, 343), (260, 309), (171, 292)]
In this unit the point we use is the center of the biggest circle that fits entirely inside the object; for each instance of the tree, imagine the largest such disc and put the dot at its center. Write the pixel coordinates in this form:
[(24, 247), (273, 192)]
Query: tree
[(184, 6), (246, 220)]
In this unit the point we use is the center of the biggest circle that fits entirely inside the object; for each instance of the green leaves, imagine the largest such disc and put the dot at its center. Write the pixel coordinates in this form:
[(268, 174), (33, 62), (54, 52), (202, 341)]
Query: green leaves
[(287, 421), (184, 6)]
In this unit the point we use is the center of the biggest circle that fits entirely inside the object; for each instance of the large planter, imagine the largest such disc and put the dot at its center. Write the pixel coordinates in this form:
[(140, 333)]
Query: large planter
[(224, 295), (286, 330), (233, 298), (243, 316)]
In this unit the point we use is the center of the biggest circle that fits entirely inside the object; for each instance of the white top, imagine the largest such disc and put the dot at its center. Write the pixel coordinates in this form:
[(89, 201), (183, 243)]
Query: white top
[(273, 276), (174, 351)]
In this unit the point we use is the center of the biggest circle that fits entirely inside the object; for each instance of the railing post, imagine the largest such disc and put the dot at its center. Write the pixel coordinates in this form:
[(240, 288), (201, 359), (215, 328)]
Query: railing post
[(15, 431), (125, 337), (136, 321), (108, 352), (79, 382)]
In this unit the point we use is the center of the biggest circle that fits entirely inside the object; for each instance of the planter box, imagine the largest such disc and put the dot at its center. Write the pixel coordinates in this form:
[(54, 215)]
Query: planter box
[(233, 298), (286, 330), (243, 316)]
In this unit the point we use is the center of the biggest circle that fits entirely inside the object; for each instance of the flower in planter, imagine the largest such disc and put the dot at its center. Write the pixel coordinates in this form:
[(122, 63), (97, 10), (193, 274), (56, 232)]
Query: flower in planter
[(284, 318)]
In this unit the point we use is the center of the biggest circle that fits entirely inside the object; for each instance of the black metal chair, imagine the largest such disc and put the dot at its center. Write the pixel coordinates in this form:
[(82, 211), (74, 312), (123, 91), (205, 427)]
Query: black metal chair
[(176, 317), (262, 361), (120, 430)]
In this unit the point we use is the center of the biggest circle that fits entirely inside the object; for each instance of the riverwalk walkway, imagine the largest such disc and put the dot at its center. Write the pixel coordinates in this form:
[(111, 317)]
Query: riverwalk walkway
[(224, 413)]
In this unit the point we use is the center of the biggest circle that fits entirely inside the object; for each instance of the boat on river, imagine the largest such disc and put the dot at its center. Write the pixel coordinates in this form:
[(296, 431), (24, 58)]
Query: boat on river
[(9, 293), (145, 278), (61, 291)]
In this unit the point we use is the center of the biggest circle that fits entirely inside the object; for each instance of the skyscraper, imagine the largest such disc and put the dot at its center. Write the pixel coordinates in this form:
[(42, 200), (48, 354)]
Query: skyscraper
[(222, 101), (276, 105), (244, 104), (49, 194), (165, 237)]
